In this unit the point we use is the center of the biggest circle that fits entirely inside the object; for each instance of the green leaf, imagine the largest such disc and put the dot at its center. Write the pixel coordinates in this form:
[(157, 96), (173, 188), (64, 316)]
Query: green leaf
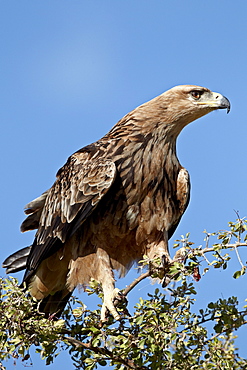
[(237, 274), (102, 363)]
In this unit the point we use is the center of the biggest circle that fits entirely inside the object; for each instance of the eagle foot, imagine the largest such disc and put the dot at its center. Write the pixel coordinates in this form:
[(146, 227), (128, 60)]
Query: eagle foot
[(180, 256), (110, 301), (159, 267)]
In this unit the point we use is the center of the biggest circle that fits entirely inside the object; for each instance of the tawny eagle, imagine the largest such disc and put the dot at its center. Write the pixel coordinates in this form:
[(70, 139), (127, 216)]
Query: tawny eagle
[(114, 201)]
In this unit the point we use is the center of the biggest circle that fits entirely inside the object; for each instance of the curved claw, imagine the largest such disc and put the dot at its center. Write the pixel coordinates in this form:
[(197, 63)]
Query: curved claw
[(164, 261), (166, 280)]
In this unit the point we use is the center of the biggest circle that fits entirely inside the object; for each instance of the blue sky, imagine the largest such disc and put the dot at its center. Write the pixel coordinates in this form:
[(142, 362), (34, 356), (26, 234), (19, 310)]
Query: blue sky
[(69, 70)]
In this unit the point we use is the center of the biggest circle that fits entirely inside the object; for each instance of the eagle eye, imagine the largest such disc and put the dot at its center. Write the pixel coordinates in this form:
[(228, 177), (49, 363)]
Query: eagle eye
[(196, 94)]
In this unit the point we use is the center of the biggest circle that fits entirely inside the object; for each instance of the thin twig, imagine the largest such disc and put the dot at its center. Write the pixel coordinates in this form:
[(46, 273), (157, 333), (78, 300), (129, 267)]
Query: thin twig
[(239, 259), (212, 318), (135, 282), (205, 258), (201, 252)]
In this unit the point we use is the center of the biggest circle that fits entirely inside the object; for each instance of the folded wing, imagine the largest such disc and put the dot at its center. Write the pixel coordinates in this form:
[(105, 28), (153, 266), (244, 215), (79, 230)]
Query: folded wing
[(79, 187)]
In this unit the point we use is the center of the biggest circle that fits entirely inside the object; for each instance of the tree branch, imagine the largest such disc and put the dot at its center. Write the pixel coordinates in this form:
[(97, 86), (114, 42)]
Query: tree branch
[(193, 252), (105, 352), (197, 251), (135, 282)]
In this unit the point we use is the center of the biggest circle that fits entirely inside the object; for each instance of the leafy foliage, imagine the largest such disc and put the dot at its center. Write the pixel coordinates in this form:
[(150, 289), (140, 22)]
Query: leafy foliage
[(163, 333)]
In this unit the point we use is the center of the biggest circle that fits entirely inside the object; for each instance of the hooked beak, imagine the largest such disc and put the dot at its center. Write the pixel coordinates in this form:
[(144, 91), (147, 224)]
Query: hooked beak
[(215, 100), (222, 102)]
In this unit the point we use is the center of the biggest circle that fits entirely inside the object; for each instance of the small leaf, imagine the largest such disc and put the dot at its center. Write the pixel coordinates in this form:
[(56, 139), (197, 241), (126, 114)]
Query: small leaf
[(237, 274), (102, 363)]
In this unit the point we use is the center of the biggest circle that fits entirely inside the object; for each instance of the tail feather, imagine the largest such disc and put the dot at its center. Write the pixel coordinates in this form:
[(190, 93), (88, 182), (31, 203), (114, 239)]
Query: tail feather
[(53, 305), (34, 210), (17, 261)]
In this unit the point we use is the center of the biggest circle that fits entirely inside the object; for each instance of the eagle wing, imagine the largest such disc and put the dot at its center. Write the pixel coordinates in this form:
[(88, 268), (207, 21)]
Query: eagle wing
[(79, 187), (183, 197)]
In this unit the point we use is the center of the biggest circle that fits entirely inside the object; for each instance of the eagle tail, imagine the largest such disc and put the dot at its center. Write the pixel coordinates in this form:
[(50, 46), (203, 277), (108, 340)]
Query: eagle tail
[(53, 305), (17, 261)]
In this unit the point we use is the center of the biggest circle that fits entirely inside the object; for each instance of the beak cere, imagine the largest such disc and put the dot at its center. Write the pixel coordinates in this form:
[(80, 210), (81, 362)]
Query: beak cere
[(215, 100), (222, 102)]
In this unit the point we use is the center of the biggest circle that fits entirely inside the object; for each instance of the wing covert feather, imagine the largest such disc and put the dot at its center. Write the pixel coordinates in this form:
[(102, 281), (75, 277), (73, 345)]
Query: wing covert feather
[(80, 185)]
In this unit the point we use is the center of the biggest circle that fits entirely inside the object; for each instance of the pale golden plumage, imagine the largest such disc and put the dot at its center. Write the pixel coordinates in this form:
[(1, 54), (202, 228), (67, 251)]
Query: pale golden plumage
[(114, 201)]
